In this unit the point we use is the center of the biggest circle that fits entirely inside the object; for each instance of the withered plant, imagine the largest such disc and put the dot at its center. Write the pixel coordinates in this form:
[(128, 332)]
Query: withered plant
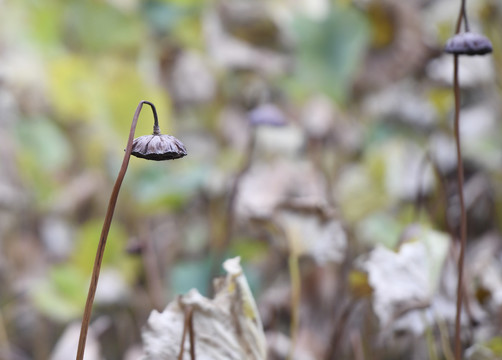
[(151, 147), (465, 43)]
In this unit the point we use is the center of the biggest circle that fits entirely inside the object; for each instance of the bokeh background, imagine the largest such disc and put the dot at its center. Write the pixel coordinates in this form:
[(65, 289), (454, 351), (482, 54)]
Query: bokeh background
[(320, 151)]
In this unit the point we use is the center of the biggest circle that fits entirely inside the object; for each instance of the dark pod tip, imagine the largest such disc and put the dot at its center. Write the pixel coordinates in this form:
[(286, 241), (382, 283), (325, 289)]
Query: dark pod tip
[(468, 43), (158, 147)]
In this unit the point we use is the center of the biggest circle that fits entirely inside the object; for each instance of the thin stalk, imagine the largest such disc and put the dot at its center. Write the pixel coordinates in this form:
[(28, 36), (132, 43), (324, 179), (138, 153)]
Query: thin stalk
[(460, 178), (462, 16), (419, 200), (294, 273), (445, 339), (463, 215), (357, 346), (191, 334), (229, 210), (186, 325), (104, 232), (338, 331), (152, 273), (4, 341), (430, 339)]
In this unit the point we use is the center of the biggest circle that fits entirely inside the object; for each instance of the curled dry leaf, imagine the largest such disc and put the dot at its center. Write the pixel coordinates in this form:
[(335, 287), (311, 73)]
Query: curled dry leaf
[(409, 278), (227, 327), (267, 185), (313, 232)]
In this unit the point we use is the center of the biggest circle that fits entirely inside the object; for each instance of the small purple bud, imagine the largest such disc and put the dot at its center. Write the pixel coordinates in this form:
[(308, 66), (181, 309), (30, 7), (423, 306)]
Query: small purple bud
[(267, 114)]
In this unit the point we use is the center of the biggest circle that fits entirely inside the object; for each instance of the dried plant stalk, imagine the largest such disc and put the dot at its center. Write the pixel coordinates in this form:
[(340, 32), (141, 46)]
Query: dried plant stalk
[(109, 215)]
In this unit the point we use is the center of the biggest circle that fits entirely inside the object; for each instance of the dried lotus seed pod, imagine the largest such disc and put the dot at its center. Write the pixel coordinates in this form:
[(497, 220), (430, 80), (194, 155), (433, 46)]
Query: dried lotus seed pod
[(158, 147)]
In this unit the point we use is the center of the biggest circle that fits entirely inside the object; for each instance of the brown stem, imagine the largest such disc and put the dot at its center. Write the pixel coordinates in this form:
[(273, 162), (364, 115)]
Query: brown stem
[(235, 189), (463, 216), (453, 254), (229, 210), (357, 346), (104, 232), (152, 272), (183, 335), (156, 129), (462, 16), (419, 200), (4, 341), (191, 334), (338, 332)]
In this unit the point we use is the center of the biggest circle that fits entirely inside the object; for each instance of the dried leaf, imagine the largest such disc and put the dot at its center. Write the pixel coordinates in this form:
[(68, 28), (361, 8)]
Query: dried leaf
[(227, 327), (407, 278)]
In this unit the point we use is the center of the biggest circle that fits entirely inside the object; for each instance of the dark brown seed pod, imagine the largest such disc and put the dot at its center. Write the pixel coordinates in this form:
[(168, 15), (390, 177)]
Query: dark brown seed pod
[(158, 147), (468, 43)]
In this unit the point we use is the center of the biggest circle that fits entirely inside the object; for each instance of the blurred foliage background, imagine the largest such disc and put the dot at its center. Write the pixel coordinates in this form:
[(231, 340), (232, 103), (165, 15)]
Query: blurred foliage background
[(317, 131)]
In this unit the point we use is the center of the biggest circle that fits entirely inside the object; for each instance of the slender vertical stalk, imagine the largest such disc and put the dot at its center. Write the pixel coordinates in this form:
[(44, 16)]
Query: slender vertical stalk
[(191, 334), (188, 323), (462, 16), (4, 341), (463, 215), (294, 273), (228, 230), (152, 272), (460, 179), (357, 346), (104, 232)]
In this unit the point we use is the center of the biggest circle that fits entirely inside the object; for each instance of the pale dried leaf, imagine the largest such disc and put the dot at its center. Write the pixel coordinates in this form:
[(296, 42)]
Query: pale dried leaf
[(407, 278), (66, 347), (226, 327)]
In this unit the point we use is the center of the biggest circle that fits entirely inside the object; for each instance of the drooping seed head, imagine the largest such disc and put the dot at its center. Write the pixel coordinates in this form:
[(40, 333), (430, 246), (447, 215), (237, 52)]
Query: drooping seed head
[(468, 43), (158, 147)]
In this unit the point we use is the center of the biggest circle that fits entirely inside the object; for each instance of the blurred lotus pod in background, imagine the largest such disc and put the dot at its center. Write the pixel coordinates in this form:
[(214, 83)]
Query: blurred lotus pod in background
[(267, 114), (468, 43)]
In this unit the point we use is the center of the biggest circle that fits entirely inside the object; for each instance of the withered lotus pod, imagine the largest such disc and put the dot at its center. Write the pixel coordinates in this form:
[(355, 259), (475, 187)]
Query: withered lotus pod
[(158, 147), (468, 43)]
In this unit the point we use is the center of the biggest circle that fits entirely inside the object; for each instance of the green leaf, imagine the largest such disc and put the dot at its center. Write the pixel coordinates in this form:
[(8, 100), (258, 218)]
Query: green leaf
[(248, 249), (97, 26), (115, 256), (62, 295), (379, 228), (44, 144), (46, 21), (43, 152), (74, 88), (161, 184), (191, 274), (330, 51)]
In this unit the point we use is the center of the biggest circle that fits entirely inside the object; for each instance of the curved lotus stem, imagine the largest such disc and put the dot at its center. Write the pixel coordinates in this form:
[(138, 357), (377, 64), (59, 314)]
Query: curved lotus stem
[(106, 227)]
